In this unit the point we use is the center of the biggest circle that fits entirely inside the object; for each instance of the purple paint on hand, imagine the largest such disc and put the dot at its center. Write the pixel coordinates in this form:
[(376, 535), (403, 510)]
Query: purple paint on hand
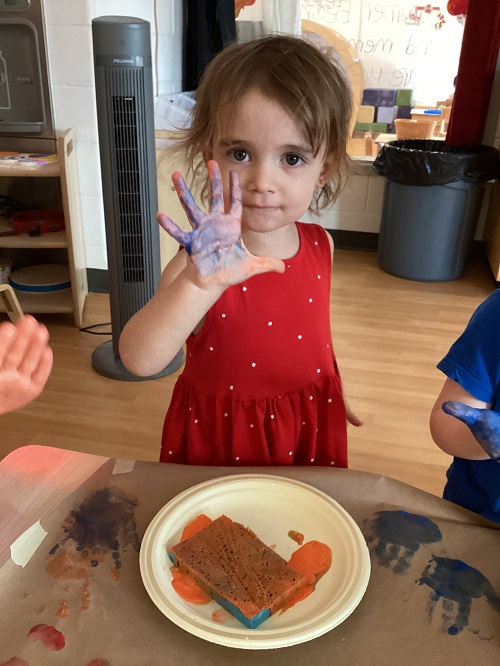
[(483, 423), (215, 242), (215, 245)]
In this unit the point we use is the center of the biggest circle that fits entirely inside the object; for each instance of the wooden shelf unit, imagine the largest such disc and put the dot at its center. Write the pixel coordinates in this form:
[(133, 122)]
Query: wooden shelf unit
[(71, 239)]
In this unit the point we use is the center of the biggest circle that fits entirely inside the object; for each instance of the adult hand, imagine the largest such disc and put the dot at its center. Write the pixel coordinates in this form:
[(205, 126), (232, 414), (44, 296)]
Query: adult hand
[(25, 362), (483, 423), (215, 246)]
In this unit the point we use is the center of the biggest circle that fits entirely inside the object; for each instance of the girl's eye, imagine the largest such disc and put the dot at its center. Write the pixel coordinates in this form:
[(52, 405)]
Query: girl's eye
[(292, 160), (239, 154)]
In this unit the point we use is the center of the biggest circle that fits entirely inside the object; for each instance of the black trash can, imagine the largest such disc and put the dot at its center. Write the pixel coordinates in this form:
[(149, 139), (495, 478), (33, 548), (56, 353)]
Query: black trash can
[(432, 197)]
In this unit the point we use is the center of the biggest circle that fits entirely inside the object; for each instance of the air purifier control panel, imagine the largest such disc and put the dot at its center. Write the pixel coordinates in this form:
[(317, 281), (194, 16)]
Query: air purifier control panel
[(14, 5)]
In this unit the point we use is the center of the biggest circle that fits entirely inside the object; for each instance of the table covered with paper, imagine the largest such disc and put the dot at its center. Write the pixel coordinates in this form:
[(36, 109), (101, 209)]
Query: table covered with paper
[(85, 577)]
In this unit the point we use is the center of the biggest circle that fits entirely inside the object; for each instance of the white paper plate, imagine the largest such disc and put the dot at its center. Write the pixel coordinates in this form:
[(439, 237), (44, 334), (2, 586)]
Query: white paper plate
[(271, 506)]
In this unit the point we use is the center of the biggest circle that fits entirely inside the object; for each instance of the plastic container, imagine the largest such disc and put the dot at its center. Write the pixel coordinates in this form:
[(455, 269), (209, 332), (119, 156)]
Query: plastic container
[(432, 197), (173, 111), (5, 268)]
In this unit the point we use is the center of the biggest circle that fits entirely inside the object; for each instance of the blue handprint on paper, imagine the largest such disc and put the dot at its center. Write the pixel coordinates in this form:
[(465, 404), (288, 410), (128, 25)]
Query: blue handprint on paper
[(483, 423), (456, 584), (395, 537)]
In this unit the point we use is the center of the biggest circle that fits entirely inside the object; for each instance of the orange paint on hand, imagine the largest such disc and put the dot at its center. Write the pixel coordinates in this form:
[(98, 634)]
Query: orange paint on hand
[(194, 526), (312, 560), (187, 589)]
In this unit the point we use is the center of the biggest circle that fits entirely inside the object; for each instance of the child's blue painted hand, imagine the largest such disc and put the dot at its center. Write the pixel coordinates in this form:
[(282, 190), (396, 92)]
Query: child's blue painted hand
[(215, 245), (483, 423)]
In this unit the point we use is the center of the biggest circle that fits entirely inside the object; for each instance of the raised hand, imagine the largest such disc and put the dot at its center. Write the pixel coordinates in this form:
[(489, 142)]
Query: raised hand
[(483, 423), (25, 362), (215, 245)]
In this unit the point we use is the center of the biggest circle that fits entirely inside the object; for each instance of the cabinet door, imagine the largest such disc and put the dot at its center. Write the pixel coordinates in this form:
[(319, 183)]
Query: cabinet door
[(493, 231), (74, 232)]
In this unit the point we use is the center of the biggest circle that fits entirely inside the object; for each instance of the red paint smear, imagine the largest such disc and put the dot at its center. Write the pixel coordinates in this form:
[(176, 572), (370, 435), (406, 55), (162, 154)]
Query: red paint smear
[(49, 636), (187, 589), (194, 526), (99, 662), (312, 560), (15, 661)]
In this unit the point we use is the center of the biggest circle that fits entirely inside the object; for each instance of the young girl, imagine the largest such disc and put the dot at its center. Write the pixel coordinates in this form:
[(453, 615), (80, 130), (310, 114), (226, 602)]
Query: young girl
[(250, 293)]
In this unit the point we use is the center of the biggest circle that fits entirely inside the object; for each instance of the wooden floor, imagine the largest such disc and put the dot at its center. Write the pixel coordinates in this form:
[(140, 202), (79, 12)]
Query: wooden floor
[(388, 333)]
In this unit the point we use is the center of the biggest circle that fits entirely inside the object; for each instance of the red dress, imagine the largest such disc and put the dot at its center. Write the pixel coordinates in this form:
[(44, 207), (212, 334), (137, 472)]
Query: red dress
[(261, 385)]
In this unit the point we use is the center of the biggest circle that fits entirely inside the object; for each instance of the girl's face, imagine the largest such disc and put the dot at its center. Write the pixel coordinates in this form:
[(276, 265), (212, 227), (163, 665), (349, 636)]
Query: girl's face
[(275, 163)]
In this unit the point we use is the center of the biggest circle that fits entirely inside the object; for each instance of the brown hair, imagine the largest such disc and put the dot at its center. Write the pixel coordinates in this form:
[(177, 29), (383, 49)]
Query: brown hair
[(294, 73)]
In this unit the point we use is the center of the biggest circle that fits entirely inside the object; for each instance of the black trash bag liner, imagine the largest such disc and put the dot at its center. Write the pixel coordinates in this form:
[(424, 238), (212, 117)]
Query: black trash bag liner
[(428, 162)]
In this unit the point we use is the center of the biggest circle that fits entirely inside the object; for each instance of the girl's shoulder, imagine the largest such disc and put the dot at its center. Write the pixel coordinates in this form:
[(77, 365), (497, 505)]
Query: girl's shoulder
[(313, 231), (313, 236)]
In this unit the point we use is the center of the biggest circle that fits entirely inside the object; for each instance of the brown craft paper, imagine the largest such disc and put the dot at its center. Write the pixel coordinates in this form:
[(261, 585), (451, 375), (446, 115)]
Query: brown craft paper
[(396, 623)]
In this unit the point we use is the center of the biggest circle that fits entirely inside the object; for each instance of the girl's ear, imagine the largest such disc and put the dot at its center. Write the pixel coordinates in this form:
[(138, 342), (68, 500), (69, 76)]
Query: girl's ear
[(327, 171)]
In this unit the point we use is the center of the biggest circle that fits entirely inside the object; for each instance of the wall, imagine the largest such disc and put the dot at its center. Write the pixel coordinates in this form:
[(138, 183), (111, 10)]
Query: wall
[(68, 26), (70, 58)]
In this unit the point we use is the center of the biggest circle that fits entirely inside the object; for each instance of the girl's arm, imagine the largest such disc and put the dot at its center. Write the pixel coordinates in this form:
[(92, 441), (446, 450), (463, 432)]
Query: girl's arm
[(154, 335), (350, 415), (450, 434), (214, 259)]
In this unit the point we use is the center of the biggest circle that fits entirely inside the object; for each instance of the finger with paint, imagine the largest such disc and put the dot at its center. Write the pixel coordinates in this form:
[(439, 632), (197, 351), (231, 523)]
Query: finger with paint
[(483, 423), (215, 245)]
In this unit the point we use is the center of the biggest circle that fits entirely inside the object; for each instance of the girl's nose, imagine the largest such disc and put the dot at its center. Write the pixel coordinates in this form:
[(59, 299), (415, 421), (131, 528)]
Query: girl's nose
[(261, 177)]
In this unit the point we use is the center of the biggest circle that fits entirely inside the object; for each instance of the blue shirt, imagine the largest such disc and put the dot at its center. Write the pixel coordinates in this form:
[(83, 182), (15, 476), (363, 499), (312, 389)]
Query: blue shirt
[(474, 362)]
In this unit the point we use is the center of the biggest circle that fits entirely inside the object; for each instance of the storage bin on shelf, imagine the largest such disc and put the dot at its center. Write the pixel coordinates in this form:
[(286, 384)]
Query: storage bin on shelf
[(414, 129)]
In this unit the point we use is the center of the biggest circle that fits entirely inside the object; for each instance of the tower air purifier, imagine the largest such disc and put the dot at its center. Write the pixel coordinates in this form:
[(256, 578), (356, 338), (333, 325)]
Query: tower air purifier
[(125, 115)]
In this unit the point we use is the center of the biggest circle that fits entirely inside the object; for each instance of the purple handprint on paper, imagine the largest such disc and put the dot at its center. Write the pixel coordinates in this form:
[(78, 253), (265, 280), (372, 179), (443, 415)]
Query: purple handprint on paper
[(483, 423), (215, 245)]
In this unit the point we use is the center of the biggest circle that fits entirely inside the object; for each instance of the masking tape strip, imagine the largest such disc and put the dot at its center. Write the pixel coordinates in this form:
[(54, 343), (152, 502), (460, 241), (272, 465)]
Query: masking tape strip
[(123, 466), (24, 547)]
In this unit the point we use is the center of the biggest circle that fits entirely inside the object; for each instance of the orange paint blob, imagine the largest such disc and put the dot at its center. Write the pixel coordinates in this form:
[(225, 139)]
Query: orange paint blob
[(296, 536), (187, 589), (312, 560), (299, 596), (63, 609), (115, 573), (69, 565), (194, 526), (221, 616)]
